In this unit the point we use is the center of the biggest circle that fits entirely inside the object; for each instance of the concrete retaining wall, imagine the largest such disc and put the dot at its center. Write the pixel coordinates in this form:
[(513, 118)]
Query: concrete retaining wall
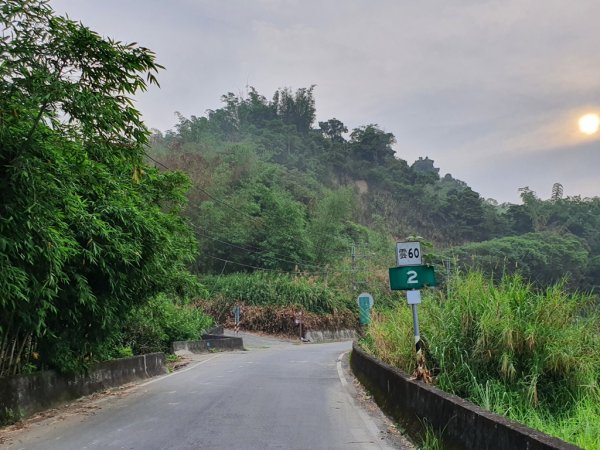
[(209, 342), (330, 335), (21, 396), (461, 424), (218, 330)]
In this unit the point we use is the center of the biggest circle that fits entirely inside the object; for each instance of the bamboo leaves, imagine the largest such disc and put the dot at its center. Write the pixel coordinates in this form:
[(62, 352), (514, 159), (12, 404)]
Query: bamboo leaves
[(82, 241)]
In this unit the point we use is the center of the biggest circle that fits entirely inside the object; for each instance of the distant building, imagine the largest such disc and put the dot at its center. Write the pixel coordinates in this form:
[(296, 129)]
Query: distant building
[(424, 165)]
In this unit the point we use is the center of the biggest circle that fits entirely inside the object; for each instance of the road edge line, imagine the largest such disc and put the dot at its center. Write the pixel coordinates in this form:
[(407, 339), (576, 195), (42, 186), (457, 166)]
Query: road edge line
[(339, 369), (178, 371), (370, 423)]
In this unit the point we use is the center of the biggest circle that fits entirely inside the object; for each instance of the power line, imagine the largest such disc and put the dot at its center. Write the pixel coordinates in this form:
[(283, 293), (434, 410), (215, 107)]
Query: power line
[(258, 251), (209, 195), (246, 249), (324, 271), (155, 161), (299, 262), (227, 261)]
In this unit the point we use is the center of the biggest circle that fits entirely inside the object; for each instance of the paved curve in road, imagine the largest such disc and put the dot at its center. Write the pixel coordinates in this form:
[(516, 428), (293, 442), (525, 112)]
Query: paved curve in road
[(276, 395)]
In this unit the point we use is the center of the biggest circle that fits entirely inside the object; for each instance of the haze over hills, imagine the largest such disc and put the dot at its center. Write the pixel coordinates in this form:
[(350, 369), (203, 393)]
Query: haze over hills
[(484, 89), (266, 175)]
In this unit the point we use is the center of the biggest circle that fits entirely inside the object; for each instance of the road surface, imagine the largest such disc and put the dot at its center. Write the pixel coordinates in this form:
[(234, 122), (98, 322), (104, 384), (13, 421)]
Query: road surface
[(276, 395)]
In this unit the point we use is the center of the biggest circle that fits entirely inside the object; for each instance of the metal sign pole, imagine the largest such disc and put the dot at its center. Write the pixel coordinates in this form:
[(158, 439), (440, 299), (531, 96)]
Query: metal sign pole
[(416, 328), (414, 298), (410, 275)]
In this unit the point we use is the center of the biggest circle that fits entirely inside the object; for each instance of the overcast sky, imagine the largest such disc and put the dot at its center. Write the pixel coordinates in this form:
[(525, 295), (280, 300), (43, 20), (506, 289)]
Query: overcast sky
[(490, 90)]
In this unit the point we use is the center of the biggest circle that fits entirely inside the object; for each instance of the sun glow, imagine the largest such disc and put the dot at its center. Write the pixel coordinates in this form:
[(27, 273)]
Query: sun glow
[(589, 124)]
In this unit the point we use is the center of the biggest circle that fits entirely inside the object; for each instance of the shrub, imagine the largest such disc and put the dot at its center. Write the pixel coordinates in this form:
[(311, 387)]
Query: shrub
[(154, 327)]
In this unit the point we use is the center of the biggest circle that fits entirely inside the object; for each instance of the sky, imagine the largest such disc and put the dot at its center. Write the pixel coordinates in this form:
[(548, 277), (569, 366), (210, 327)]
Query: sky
[(490, 90)]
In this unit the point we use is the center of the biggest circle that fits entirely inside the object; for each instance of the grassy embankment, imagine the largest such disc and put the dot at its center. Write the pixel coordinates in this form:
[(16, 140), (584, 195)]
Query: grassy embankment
[(533, 356)]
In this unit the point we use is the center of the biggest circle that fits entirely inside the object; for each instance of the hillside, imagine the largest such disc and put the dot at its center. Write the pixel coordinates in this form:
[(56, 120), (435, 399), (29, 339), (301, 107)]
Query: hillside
[(272, 189)]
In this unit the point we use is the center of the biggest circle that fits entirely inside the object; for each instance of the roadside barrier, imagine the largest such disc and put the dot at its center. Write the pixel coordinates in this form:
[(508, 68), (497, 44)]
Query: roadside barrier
[(209, 342), (23, 395), (459, 423)]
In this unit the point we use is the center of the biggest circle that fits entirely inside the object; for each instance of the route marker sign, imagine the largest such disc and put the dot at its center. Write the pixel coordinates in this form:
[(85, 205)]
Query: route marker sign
[(365, 299), (411, 277), (408, 254), (365, 303)]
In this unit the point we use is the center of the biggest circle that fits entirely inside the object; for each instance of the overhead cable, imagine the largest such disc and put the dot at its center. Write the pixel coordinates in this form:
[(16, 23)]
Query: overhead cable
[(212, 197)]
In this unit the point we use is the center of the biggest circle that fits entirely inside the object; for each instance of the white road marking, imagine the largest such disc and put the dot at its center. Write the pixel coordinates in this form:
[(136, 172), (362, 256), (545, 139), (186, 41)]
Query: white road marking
[(369, 423), (340, 371), (178, 372)]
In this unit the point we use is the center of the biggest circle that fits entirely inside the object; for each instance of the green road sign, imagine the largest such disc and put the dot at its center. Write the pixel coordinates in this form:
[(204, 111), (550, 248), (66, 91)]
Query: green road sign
[(411, 277), (365, 303)]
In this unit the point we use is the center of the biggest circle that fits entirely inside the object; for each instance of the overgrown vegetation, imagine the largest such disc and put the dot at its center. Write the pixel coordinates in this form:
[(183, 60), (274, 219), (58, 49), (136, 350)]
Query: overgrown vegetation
[(290, 216), (154, 326), (532, 355), (271, 193), (260, 289), (273, 302), (87, 230), (273, 190)]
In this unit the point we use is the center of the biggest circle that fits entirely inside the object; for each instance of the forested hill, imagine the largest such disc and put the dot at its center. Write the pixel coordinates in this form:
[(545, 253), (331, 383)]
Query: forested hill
[(271, 188)]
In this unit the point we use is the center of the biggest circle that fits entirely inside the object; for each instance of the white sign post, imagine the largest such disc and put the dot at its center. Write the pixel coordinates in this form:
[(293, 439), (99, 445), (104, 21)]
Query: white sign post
[(408, 254)]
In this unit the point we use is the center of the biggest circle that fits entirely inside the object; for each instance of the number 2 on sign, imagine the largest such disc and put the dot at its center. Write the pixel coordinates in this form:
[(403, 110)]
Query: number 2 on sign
[(412, 277)]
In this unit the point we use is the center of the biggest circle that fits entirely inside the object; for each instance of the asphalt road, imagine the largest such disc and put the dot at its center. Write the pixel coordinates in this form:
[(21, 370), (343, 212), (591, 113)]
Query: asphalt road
[(276, 395)]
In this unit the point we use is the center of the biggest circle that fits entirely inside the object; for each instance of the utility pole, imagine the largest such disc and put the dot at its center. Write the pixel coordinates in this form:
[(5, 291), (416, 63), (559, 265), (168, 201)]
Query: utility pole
[(448, 263), (353, 266)]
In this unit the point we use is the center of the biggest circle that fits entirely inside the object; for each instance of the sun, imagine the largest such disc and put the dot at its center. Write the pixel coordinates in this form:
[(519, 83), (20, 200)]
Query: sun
[(589, 124)]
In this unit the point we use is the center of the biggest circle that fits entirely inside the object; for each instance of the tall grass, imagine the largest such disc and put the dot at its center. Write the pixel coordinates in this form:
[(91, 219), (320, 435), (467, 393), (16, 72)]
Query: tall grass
[(264, 289), (531, 355), (271, 303)]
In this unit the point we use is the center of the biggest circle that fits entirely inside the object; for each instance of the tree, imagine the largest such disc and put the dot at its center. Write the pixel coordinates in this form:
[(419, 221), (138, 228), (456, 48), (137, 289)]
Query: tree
[(372, 144), (282, 239), (296, 109), (535, 208), (543, 258), (464, 214), (331, 216), (557, 191), (87, 231), (333, 130)]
